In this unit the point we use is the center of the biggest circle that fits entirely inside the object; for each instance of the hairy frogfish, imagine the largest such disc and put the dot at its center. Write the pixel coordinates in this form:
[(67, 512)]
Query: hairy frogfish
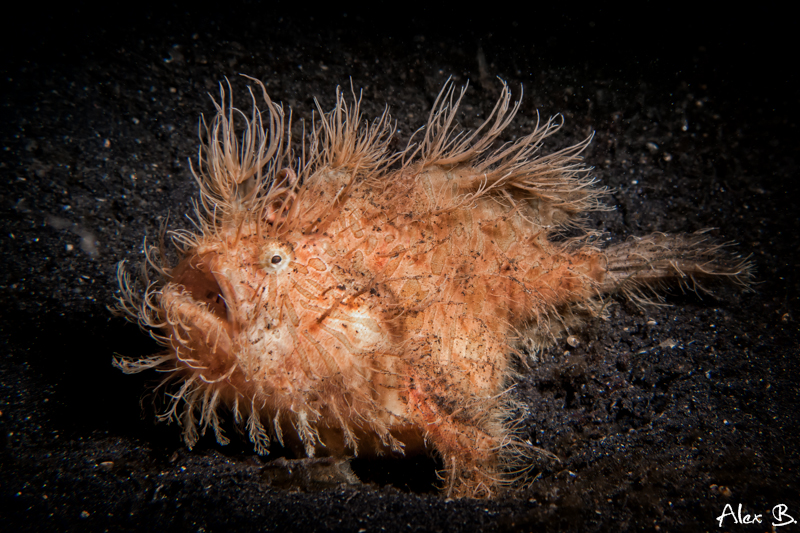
[(345, 299)]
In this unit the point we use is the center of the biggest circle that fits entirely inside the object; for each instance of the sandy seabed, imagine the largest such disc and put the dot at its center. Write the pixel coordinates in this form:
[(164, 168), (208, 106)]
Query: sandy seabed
[(660, 417)]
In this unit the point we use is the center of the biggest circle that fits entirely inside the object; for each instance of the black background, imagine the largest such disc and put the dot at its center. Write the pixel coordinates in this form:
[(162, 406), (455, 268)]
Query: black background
[(660, 416)]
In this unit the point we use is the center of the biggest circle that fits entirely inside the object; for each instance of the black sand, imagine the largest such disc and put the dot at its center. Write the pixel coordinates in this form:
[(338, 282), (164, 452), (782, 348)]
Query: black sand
[(660, 417)]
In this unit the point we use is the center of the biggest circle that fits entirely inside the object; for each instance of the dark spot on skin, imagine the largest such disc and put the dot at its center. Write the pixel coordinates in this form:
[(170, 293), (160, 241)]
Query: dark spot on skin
[(276, 259)]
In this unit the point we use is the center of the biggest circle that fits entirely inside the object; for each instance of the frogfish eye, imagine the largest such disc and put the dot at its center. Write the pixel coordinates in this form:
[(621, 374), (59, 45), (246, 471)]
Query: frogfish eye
[(275, 256)]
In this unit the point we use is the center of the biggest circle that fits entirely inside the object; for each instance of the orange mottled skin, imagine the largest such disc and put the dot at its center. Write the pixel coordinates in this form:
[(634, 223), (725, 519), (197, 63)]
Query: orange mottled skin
[(352, 304)]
